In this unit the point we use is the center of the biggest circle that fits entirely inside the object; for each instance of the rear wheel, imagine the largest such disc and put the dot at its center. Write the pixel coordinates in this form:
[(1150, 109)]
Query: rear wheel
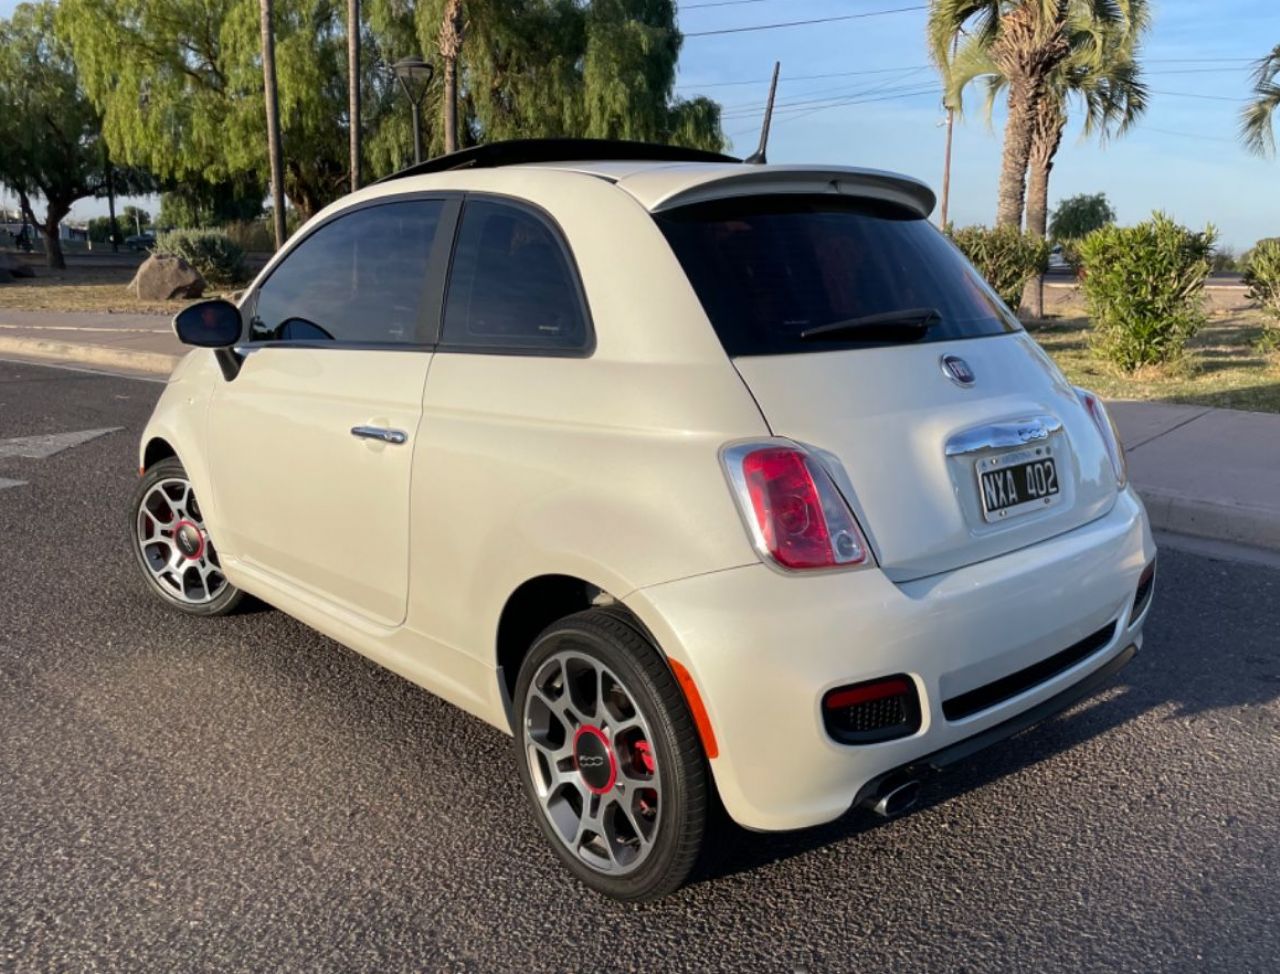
[(609, 757), (173, 547)]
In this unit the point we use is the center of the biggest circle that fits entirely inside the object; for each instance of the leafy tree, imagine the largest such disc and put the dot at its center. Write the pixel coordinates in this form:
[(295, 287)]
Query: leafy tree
[(197, 204), (1078, 216), (179, 83), (1034, 47), (49, 130), (134, 219), (1255, 118), (604, 69)]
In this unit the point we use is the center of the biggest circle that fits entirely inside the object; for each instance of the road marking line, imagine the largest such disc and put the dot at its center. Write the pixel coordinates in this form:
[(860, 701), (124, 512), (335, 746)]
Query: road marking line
[(6, 484), (46, 445)]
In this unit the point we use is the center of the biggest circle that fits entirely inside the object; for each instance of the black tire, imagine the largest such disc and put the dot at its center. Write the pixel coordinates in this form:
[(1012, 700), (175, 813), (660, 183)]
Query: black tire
[(680, 792), (226, 598)]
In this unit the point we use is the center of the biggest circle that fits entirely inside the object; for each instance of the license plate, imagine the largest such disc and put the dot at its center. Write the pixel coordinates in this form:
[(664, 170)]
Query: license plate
[(1018, 483)]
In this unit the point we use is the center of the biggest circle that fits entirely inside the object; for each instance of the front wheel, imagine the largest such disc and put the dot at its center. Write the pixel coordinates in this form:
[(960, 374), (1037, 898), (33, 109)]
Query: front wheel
[(609, 757), (173, 547)]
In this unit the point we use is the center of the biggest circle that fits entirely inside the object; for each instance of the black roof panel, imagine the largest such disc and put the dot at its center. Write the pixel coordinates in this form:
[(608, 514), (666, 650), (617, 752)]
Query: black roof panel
[(517, 151)]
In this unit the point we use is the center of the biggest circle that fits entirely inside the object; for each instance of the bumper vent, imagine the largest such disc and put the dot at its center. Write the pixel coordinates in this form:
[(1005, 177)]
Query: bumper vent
[(868, 713), (998, 691), (1143, 596)]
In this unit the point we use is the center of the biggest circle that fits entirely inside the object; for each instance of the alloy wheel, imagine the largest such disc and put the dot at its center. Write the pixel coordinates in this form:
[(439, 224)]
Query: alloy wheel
[(592, 762), (175, 545)]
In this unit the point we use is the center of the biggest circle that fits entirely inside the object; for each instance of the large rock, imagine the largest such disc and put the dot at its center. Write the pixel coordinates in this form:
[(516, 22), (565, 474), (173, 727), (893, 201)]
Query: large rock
[(166, 279), (10, 266)]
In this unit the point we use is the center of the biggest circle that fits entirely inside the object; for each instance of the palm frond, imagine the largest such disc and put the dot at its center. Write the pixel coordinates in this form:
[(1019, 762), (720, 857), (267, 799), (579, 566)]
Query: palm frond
[(1256, 129)]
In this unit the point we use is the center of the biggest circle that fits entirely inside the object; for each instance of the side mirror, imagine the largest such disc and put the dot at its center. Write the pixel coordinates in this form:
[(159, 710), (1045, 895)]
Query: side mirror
[(209, 324)]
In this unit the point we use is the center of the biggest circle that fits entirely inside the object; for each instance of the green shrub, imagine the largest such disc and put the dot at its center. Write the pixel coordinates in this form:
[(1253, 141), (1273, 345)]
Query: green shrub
[(1144, 286), (1262, 275), (251, 236), (1005, 256), (218, 258)]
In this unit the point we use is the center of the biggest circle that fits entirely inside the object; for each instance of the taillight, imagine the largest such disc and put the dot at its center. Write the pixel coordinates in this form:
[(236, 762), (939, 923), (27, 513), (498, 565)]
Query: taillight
[(1110, 435), (795, 515)]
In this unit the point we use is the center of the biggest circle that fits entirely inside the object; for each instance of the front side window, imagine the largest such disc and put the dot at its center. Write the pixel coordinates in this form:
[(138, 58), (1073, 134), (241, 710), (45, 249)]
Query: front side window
[(787, 274), (360, 278), (511, 285)]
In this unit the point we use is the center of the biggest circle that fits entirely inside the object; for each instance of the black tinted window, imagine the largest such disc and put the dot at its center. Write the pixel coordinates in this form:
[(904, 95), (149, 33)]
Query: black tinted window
[(511, 285), (767, 268), (360, 278)]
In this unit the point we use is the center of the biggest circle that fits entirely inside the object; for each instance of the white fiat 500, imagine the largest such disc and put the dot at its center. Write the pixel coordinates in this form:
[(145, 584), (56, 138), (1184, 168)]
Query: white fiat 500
[(706, 481)]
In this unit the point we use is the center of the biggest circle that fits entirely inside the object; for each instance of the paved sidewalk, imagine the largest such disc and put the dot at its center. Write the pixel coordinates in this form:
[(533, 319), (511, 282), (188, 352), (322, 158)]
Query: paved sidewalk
[(1212, 473), (137, 342)]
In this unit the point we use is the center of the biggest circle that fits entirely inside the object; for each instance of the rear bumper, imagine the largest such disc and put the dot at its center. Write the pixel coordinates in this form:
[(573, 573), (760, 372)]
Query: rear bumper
[(764, 647)]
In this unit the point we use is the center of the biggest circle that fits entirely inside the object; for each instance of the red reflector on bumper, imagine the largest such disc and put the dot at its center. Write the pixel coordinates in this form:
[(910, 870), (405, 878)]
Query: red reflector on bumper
[(867, 692)]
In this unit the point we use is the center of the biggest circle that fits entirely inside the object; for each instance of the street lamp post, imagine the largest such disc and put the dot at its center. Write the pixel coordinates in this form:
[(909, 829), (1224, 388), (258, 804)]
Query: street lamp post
[(414, 75)]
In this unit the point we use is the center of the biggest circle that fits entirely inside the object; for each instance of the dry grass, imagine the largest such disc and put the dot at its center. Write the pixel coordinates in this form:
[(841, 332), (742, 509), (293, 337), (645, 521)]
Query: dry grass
[(101, 289), (1224, 367)]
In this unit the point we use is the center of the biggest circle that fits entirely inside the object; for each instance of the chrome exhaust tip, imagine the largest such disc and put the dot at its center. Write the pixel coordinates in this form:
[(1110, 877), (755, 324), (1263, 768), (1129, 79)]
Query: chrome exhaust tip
[(896, 798)]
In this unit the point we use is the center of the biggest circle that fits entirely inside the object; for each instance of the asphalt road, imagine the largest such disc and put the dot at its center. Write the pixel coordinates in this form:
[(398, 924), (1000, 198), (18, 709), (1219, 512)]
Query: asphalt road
[(243, 794)]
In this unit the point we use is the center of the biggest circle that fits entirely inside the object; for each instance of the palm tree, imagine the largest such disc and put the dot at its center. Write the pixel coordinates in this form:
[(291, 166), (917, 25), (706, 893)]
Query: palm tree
[(1025, 41), (450, 40), (1101, 72), (1255, 119)]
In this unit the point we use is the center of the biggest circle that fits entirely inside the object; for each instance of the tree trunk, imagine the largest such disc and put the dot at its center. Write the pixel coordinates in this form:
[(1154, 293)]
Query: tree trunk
[(273, 121), (1050, 125), (55, 212), (353, 87), (450, 47), (1018, 132)]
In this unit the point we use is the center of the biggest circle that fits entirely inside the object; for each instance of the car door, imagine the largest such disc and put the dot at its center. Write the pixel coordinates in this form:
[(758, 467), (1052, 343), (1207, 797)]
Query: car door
[(312, 442)]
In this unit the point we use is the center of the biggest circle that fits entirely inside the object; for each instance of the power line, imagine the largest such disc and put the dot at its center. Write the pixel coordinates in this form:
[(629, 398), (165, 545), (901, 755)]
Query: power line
[(805, 77), (932, 90), (1192, 94), (717, 3), (805, 23), (1185, 135)]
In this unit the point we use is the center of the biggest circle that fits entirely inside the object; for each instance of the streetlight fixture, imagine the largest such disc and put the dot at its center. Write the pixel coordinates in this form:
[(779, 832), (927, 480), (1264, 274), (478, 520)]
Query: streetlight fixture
[(414, 75)]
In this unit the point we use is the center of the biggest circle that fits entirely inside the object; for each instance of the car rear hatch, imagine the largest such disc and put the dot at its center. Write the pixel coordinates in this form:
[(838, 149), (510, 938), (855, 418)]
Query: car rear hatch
[(863, 333)]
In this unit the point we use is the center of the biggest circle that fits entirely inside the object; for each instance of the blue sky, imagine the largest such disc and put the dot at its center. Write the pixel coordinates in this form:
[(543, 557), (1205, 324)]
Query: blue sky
[(1183, 157)]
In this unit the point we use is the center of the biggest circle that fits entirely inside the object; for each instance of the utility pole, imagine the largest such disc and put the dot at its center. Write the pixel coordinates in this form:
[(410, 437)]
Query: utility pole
[(111, 201), (273, 121), (353, 86), (951, 124)]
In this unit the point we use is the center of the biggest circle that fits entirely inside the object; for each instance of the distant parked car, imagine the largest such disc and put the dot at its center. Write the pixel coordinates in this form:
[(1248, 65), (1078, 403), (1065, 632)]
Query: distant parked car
[(1058, 262), (141, 241), (688, 473)]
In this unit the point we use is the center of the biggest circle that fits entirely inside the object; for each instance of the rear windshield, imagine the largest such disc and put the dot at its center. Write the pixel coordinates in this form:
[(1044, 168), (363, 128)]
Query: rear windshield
[(767, 268)]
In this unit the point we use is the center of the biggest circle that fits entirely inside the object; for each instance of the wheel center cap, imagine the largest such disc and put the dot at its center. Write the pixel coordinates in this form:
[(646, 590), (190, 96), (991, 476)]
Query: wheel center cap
[(189, 539), (593, 756)]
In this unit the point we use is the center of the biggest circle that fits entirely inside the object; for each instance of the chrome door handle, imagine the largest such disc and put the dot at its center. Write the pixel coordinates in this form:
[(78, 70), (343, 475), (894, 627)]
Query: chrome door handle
[(379, 433)]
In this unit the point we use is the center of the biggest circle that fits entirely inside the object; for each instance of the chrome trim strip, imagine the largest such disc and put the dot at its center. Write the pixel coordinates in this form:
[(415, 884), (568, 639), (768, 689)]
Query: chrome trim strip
[(1002, 436)]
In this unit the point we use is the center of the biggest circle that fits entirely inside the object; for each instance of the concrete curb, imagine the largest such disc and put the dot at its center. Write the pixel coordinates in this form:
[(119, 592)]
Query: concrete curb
[(1171, 510), (156, 363)]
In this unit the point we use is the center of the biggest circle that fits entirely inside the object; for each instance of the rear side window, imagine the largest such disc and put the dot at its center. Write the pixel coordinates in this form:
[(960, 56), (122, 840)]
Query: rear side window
[(511, 286), (359, 278), (768, 268)]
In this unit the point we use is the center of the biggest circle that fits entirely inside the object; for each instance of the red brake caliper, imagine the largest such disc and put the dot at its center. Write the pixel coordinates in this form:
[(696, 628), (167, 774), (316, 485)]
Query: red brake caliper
[(644, 757)]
